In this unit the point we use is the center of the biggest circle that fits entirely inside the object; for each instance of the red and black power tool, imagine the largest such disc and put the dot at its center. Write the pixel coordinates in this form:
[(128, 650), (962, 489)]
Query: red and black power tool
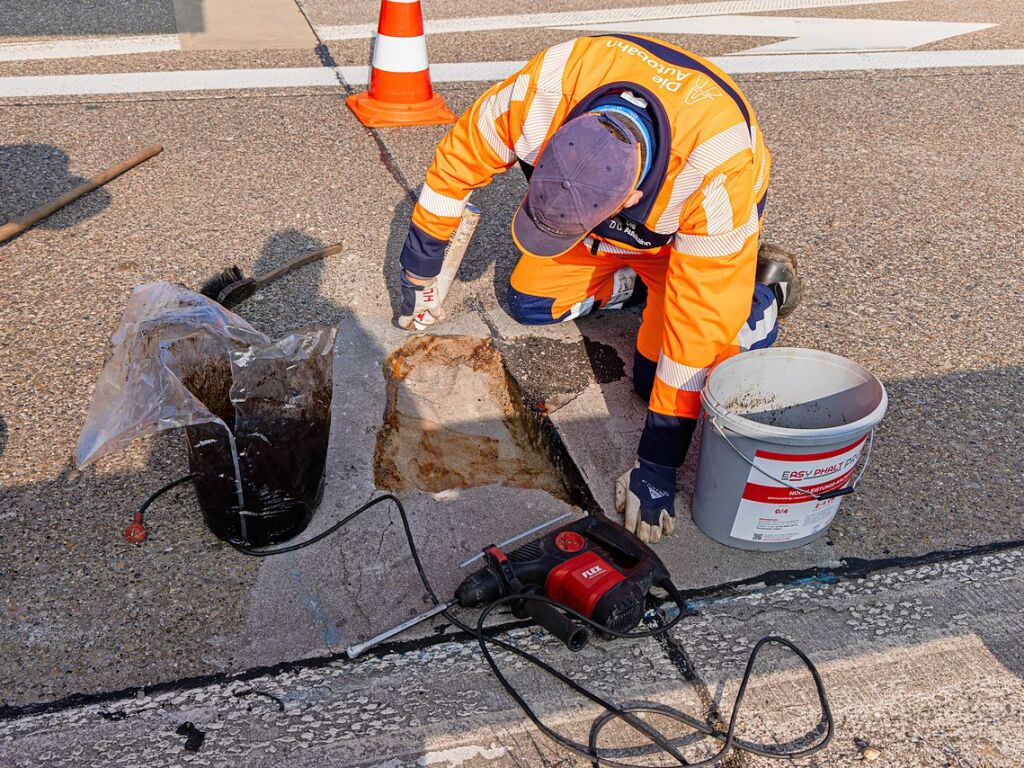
[(597, 568)]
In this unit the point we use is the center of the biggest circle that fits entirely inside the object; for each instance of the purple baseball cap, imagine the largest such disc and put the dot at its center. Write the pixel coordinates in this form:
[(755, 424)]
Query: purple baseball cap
[(587, 170)]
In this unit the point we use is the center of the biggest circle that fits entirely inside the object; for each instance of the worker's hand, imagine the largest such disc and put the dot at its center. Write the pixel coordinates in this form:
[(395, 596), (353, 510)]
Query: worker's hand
[(420, 308), (646, 496)]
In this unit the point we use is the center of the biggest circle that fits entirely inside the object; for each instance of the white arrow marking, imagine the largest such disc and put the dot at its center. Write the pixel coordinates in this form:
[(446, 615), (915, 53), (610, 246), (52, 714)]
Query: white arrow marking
[(604, 16), (478, 71), (817, 35)]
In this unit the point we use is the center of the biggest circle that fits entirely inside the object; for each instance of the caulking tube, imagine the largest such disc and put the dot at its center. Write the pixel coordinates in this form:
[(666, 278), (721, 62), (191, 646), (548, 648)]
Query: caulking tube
[(456, 250)]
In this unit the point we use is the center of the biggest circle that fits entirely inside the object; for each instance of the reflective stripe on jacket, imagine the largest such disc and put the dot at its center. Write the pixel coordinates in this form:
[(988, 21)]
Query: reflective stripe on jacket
[(702, 197)]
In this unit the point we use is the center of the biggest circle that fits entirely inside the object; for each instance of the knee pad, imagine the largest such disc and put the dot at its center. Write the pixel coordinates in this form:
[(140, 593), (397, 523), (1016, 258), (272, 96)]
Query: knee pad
[(528, 309)]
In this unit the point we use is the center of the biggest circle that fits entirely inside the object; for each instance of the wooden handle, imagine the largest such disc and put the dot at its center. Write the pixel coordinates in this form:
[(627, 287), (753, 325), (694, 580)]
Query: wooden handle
[(18, 226), (301, 261)]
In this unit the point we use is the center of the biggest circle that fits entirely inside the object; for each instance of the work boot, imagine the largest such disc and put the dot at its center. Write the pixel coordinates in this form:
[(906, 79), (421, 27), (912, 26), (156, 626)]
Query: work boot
[(777, 269), (628, 290), (639, 296)]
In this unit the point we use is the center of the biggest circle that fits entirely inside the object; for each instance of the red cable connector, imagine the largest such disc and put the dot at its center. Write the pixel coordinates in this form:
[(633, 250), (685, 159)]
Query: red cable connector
[(136, 532)]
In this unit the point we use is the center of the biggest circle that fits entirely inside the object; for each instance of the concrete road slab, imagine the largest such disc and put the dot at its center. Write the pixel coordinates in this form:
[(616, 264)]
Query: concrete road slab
[(521, 45), (686, 24), (926, 462), (937, 643), (1004, 14), (170, 61), (232, 25), (249, 157)]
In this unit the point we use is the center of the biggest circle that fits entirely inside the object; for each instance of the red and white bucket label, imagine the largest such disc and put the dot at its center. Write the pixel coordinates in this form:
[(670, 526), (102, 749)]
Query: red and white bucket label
[(772, 513)]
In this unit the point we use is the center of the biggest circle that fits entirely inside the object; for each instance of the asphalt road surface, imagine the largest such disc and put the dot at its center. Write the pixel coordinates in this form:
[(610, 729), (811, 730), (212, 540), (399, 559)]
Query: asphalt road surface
[(898, 139)]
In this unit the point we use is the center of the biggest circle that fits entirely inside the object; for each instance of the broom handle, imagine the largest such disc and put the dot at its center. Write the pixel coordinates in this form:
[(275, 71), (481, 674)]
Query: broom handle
[(18, 226), (301, 261)]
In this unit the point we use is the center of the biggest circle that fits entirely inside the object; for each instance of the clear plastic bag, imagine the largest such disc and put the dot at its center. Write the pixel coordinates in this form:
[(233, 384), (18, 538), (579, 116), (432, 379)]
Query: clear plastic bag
[(139, 392), (256, 413)]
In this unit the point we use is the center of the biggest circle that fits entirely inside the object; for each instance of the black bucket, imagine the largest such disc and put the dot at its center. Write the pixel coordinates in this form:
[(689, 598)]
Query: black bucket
[(277, 399)]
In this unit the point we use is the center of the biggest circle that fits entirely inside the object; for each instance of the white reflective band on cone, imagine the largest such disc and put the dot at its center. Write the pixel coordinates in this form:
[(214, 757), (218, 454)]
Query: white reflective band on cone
[(400, 54)]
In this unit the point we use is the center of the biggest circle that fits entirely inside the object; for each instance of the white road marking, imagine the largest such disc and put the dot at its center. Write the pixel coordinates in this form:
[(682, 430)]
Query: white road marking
[(851, 62), (709, 18), (605, 16), (480, 71), (75, 49), (166, 82), (808, 35)]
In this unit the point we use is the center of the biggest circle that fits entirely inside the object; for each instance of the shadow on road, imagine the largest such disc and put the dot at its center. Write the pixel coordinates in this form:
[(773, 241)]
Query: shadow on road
[(294, 300), (34, 174)]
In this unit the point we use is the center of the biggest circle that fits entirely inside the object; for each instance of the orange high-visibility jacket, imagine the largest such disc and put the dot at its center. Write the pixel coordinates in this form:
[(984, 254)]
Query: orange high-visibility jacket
[(702, 197)]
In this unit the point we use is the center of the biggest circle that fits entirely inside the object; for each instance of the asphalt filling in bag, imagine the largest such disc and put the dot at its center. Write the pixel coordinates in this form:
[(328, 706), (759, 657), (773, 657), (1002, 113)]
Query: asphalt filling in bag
[(256, 413)]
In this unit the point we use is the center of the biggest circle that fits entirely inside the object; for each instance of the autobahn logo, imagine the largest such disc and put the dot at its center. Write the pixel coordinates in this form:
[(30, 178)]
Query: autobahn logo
[(702, 90)]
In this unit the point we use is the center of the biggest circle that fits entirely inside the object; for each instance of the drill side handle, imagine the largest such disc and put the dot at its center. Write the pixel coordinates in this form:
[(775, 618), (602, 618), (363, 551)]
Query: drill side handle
[(558, 624)]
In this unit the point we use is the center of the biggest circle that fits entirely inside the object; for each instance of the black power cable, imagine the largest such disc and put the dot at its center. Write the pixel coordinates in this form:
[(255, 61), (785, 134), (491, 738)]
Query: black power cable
[(627, 714), (136, 530)]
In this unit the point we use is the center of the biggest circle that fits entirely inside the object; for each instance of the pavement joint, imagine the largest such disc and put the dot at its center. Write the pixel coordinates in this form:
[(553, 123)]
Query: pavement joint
[(696, 600), (309, 708), (323, 52)]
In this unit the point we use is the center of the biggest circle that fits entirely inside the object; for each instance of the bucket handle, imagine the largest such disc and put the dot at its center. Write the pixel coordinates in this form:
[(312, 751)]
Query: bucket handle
[(833, 494)]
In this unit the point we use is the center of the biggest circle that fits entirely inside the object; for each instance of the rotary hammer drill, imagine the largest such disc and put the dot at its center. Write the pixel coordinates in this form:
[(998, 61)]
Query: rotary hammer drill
[(597, 568)]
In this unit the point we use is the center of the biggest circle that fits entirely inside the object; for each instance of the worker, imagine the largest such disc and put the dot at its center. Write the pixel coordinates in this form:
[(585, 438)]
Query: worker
[(648, 176)]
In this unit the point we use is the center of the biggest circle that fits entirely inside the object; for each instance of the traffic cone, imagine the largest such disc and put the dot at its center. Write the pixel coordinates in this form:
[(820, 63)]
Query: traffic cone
[(400, 92)]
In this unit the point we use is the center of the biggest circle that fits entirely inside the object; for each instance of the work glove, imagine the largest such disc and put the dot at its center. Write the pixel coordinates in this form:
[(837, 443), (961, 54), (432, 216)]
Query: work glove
[(420, 308), (646, 496)]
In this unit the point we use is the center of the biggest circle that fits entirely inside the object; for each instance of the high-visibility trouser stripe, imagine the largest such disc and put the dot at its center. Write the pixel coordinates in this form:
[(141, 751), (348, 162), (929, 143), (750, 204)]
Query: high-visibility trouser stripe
[(681, 376), (705, 158), (520, 87), (717, 206), (546, 101), (714, 246), (441, 205), (748, 337), (400, 54), (491, 110)]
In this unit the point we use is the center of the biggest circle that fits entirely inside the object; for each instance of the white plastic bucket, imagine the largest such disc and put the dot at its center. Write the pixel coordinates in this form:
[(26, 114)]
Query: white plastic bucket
[(784, 430)]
